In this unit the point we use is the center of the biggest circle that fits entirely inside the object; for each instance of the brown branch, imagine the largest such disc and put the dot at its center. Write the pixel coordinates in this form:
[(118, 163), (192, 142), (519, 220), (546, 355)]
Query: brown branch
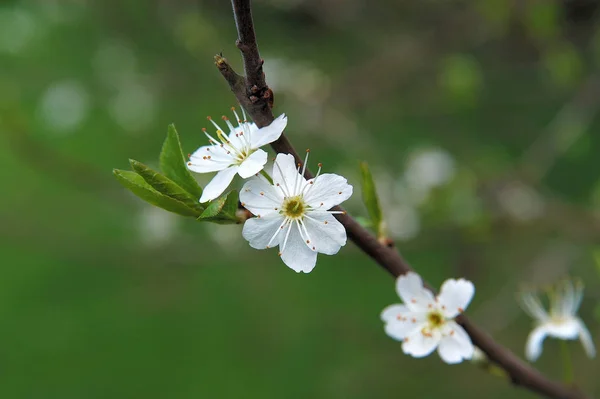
[(254, 95)]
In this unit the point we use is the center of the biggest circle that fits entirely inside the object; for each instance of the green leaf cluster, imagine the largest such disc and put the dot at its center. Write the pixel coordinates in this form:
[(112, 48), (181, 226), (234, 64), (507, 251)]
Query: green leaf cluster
[(175, 189)]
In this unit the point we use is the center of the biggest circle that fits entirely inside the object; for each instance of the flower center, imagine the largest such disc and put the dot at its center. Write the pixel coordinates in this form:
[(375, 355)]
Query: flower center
[(243, 154), (436, 319), (293, 207)]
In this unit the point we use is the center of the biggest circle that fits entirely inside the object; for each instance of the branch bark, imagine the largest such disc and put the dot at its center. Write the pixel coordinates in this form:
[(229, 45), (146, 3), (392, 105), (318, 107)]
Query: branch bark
[(255, 96)]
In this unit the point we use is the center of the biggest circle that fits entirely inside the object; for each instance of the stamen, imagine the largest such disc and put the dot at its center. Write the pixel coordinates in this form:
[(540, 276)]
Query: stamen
[(237, 117), (277, 232), (305, 231), (287, 235), (245, 140), (305, 161), (288, 192), (267, 195), (246, 134), (296, 180), (282, 190), (320, 211), (214, 124), (229, 125), (300, 230), (312, 181)]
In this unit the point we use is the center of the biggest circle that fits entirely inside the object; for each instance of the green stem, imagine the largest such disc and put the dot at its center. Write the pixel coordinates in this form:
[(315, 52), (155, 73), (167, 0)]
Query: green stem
[(567, 362), (266, 175)]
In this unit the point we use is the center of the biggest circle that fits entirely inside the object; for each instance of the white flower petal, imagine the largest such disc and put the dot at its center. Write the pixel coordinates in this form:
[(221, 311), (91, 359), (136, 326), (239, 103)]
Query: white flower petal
[(260, 197), (259, 231), (455, 345), (577, 297), (392, 312), (418, 344), (410, 288), (400, 329), (563, 328), (285, 172), (532, 306), (564, 300), (533, 347), (270, 133), (586, 340), (329, 190), (200, 163), (326, 233), (253, 164), (297, 255), (218, 184), (455, 296)]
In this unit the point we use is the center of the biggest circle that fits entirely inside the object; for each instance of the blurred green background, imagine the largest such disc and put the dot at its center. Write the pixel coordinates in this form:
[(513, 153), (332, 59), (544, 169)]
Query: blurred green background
[(478, 119)]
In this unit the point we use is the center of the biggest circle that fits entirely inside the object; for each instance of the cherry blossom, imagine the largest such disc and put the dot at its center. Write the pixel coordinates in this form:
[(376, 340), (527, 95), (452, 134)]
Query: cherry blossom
[(424, 322)]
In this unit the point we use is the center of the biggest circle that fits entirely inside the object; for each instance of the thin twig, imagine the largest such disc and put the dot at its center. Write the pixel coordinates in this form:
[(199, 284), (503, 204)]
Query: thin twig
[(253, 94)]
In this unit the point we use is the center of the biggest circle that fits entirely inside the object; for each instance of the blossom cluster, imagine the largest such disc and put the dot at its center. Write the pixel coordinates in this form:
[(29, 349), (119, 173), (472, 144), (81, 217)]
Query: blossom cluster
[(292, 213), (296, 215)]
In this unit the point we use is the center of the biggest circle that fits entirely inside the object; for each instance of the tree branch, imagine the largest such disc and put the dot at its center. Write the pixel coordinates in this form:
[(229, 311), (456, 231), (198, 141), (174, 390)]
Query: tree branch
[(254, 95)]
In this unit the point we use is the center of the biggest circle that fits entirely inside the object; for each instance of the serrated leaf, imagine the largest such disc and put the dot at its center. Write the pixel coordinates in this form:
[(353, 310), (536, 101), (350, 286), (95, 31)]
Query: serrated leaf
[(137, 185), (222, 210), (165, 186), (370, 199), (173, 164)]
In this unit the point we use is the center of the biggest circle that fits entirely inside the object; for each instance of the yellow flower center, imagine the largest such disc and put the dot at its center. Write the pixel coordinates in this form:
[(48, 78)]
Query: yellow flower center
[(293, 207), (435, 319)]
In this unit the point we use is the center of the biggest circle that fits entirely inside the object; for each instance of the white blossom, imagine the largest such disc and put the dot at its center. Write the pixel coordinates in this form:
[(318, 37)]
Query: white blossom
[(560, 322), (237, 152), (424, 322), (293, 213)]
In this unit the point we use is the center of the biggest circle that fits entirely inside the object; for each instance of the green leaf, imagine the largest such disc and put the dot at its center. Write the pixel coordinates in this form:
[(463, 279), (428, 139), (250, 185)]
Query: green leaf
[(364, 222), (369, 195), (165, 186), (222, 210), (173, 164), (139, 187)]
